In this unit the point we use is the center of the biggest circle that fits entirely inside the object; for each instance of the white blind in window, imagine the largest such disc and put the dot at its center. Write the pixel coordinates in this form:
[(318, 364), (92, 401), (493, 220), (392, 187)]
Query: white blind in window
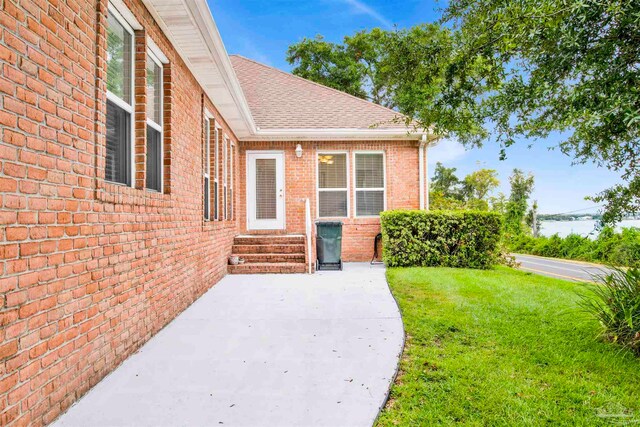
[(332, 185), (370, 184), (266, 191)]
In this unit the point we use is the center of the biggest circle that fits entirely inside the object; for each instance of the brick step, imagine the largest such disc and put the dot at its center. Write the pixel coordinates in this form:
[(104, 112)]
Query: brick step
[(268, 239), (268, 249), (268, 268), (264, 258)]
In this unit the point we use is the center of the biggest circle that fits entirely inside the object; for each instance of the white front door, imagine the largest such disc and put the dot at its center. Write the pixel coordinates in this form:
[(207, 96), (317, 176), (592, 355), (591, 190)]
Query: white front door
[(265, 190)]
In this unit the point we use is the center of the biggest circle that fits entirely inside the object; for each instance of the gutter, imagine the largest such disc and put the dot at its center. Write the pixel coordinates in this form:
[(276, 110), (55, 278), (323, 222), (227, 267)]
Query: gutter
[(330, 134)]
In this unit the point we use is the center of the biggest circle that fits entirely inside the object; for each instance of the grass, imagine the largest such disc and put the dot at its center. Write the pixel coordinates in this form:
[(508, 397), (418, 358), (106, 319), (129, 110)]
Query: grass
[(504, 347)]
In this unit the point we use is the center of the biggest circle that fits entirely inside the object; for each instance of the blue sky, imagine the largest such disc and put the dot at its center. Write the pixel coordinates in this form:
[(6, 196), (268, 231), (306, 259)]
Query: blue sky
[(262, 30)]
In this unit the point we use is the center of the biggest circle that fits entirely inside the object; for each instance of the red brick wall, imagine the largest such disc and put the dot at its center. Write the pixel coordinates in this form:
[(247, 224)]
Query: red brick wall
[(89, 270), (402, 185)]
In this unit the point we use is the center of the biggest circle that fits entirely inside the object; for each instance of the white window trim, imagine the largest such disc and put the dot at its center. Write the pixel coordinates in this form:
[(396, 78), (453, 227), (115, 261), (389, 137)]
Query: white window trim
[(355, 183), (216, 172), (159, 126), (224, 176), (231, 176), (207, 159), (124, 12), (318, 189), (157, 52), (129, 26)]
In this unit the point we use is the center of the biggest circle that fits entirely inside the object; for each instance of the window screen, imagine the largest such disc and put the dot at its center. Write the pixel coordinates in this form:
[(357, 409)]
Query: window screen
[(206, 197), (332, 185), (370, 184), (154, 159), (206, 169), (118, 144)]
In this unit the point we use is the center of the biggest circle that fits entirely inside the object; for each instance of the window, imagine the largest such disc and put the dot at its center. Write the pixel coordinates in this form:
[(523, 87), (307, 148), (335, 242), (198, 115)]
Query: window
[(333, 200), (154, 123), (118, 162), (370, 183), (206, 169), (216, 136), (231, 178), (224, 176)]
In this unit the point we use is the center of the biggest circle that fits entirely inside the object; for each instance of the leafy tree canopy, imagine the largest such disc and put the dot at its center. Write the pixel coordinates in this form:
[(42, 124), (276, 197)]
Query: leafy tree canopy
[(516, 207), (511, 70), (479, 184), (571, 66), (416, 71), (446, 182)]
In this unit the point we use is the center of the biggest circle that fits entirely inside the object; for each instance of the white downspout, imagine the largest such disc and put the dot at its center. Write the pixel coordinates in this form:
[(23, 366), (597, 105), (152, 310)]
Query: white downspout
[(426, 176), (424, 197)]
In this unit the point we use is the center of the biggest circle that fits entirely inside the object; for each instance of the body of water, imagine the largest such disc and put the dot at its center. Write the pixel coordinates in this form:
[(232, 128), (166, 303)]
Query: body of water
[(583, 228)]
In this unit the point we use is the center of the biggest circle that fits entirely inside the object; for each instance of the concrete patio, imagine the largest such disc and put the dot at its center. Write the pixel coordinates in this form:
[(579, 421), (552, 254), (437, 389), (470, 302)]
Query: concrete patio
[(273, 350)]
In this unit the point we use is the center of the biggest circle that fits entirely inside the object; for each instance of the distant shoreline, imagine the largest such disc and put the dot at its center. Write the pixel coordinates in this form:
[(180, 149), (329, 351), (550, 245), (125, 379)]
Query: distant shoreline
[(583, 227)]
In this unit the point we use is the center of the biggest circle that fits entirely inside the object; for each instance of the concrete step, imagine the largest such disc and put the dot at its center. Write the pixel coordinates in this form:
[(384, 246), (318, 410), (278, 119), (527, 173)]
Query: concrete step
[(268, 268), (263, 258), (285, 239), (268, 249)]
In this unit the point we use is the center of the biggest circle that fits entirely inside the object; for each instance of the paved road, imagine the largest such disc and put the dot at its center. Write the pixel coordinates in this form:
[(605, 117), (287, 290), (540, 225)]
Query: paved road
[(272, 350), (561, 269)]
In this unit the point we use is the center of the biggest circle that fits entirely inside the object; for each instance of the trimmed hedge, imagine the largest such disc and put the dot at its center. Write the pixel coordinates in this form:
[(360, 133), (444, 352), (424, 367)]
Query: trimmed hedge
[(462, 239)]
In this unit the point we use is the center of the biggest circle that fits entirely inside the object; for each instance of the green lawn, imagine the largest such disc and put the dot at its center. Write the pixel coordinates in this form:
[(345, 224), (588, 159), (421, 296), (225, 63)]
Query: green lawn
[(504, 347)]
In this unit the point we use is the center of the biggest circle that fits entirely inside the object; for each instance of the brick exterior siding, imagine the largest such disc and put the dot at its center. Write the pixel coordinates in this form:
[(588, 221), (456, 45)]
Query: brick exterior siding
[(402, 187), (91, 270)]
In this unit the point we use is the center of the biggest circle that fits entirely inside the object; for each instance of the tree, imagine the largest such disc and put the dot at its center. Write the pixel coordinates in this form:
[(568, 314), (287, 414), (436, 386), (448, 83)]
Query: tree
[(564, 66), (438, 201), (533, 220), (328, 64), (516, 207), (417, 71), (446, 182), (498, 203), (477, 185)]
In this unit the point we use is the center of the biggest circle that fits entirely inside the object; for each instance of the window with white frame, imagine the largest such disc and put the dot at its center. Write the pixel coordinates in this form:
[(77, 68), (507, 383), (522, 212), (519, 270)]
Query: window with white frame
[(231, 176), (333, 185), (225, 144), (216, 173), (369, 183), (118, 161), (206, 169), (154, 123)]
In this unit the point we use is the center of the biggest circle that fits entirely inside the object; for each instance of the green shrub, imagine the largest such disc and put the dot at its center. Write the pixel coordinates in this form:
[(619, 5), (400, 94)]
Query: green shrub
[(464, 239), (615, 302)]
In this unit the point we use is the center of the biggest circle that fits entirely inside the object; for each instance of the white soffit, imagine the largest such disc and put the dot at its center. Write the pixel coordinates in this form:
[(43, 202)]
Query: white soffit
[(190, 28)]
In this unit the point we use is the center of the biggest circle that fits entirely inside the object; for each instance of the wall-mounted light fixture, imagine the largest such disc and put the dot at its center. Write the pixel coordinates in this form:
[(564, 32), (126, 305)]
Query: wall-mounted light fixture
[(299, 151)]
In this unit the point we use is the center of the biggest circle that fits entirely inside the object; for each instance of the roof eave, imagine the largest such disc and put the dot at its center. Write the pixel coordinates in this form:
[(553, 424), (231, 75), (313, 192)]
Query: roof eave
[(337, 134), (206, 57)]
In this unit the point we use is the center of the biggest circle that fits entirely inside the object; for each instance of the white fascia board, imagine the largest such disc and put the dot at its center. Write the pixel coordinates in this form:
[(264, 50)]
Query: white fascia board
[(334, 134), (206, 24)]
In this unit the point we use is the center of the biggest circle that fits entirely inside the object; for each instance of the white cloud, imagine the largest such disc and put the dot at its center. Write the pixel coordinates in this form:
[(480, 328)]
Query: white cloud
[(364, 9), (447, 151)]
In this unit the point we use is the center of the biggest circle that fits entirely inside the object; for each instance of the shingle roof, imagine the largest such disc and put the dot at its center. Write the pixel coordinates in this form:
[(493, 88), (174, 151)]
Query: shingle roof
[(280, 100)]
